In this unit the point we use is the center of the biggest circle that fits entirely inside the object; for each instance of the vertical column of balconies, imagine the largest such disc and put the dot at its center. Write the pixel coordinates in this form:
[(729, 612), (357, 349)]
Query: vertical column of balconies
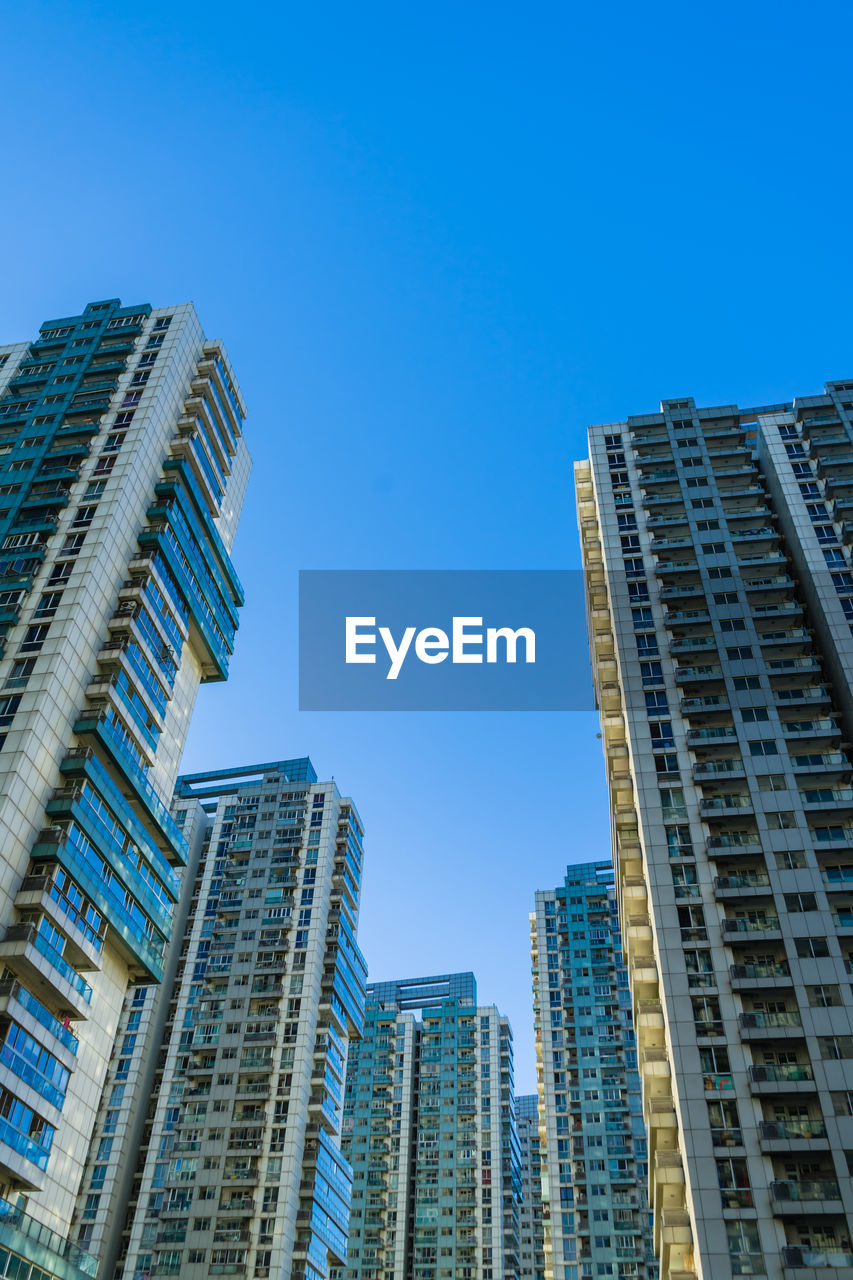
[(666, 1179)]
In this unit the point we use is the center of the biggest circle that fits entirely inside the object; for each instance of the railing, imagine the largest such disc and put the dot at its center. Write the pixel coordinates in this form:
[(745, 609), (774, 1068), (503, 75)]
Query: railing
[(25, 1146), (13, 988), (828, 795), (801, 1256), (793, 1128), (725, 802), (765, 924), (746, 971), (136, 773), (29, 933), (13, 1217), (742, 882), (35, 1079), (735, 840), (770, 1021), (805, 1189), (781, 1072)]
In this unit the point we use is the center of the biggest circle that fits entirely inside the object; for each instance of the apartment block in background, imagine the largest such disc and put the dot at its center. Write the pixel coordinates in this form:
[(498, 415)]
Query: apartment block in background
[(236, 1168), (593, 1151), (531, 1231), (429, 1129), (122, 474), (716, 550)]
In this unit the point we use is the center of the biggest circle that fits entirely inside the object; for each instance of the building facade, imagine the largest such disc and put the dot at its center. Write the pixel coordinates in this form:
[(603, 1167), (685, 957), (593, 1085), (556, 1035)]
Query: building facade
[(429, 1130), (235, 1167), (531, 1231), (720, 598), (122, 473), (594, 1152)]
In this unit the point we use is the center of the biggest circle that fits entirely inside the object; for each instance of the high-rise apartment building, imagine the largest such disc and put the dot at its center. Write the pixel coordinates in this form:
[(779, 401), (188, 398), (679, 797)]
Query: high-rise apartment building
[(122, 473), (429, 1130), (593, 1153), (716, 551), (531, 1231), (236, 1168)]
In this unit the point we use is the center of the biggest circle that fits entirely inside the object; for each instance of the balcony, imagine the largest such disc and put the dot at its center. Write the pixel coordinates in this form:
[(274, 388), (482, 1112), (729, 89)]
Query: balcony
[(838, 836), (748, 512), (708, 702), (788, 635), (837, 484), (754, 534), (748, 927), (828, 798), (740, 489), (245, 1206), (819, 728), (750, 976), (819, 423), (808, 693), (796, 1256), (822, 762), (781, 666), (756, 1024), (750, 882), (21, 1232), (770, 582), (644, 969), (713, 768), (39, 892), (658, 522), (712, 733), (806, 1195), (14, 996), (689, 643), (729, 844), (667, 544), (668, 1179), (22, 1156), (41, 967), (782, 1076), (691, 675), (133, 777), (777, 609), (725, 803), (792, 1134)]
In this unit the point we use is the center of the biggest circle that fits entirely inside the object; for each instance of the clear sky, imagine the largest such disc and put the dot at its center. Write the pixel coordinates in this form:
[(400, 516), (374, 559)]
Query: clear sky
[(438, 241)]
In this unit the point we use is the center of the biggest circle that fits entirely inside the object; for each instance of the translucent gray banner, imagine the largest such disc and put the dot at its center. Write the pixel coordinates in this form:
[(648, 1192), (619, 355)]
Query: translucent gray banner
[(443, 640)]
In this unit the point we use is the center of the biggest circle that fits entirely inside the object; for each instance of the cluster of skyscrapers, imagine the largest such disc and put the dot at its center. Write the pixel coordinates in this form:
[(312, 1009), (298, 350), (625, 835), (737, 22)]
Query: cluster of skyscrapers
[(197, 1079)]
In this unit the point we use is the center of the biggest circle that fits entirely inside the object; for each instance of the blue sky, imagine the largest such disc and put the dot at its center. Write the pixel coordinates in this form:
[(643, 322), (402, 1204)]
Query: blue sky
[(438, 241)]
